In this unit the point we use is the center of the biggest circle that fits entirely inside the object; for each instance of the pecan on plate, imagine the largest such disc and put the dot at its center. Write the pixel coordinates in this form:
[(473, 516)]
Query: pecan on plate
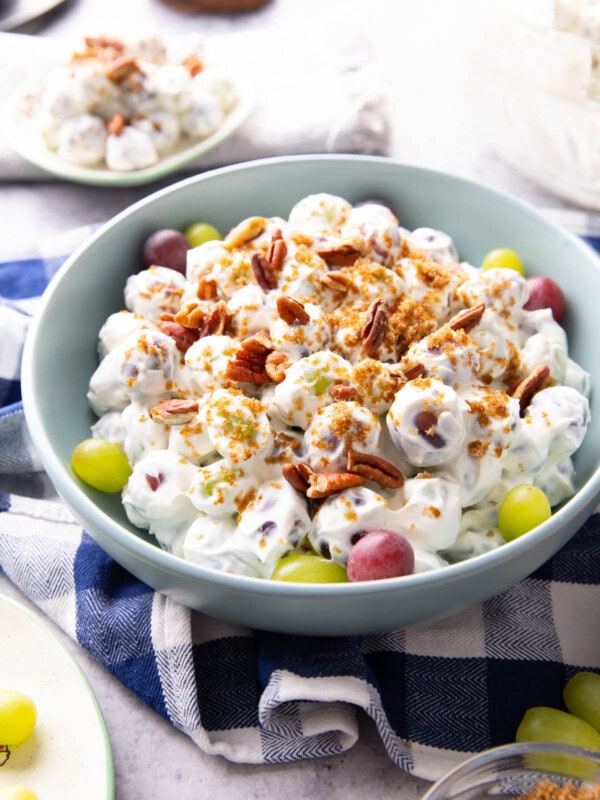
[(323, 484), (176, 411), (525, 389), (121, 68), (374, 468)]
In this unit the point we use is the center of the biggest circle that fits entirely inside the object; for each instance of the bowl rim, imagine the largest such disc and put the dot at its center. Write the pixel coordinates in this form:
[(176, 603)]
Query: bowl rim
[(494, 755), (71, 492)]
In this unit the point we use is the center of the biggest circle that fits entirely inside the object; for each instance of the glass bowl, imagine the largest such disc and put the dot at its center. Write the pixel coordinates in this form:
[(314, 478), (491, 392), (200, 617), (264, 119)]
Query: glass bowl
[(517, 770), (538, 92)]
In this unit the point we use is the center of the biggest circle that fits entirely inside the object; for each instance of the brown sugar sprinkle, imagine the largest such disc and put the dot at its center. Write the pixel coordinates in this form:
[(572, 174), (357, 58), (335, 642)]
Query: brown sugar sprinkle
[(494, 405), (548, 790), (478, 448), (410, 321), (430, 272)]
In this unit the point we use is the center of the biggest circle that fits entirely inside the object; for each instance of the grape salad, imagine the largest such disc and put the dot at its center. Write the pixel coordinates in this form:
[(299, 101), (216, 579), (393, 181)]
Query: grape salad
[(334, 397)]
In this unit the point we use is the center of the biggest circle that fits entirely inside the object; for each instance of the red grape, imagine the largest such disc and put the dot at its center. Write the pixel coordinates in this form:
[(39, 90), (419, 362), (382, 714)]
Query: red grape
[(380, 201), (545, 293), (380, 554), (166, 248)]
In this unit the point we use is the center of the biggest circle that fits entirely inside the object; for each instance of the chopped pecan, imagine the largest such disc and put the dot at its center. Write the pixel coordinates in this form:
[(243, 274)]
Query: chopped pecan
[(193, 64), (121, 68), (467, 319), (249, 363), (341, 392), (115, 124), (298, 475), (177, 411), (323, 484), (184, 337), (337, 281), (263, 272), (408, 372), (376, 325), (525, 389), (192, 316), (259, 343), (276, 365), (338, 255), (276, 251), (216, 321), (102, 42), (374, 468), (244, 232), (291, 310), (207, 289)]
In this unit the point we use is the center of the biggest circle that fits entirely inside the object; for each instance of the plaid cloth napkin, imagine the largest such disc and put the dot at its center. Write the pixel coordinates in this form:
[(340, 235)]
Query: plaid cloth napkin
[(436, 692)]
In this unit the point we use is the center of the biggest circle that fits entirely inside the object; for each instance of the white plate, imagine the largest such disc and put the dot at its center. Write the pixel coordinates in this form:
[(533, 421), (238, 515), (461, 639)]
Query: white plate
[(68, 753), (20, 12), (22, 134)]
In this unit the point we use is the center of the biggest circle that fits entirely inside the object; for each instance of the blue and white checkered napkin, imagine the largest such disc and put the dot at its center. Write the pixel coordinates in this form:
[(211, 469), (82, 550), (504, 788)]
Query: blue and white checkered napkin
[(436, 692)]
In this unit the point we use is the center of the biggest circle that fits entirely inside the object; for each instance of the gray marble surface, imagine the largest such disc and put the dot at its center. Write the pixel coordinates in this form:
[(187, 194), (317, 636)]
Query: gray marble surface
[(423, 46)]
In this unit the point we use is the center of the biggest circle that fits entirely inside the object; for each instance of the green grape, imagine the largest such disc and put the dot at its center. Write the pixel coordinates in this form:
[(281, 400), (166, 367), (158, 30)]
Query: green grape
[(582, 697), (543, 724), (17, 717), (15, 792), (199, 232), (308, 568), (523, 508), (101, 464), (503, 258)]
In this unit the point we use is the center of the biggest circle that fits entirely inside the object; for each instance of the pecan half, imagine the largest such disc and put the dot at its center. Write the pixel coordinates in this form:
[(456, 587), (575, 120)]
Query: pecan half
[(177, 411), (121, 67), (341, 392), (193, 64), (467, 319), (207, 289), (184, 337), (297, 475), (115, 124), (263, 272), (244, 232), (337, 281), (375, 469), (291, 310), (323, 484), (338, 255), (249, 363), (276, 251), (525, 389), (376, 325), (192, 316), (408, 372), (276, 365), (216, 322)]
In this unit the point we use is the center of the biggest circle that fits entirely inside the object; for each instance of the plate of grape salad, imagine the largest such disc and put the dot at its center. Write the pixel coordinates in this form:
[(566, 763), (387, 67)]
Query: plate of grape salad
[(115, 112), (57, 745), (335, 389)]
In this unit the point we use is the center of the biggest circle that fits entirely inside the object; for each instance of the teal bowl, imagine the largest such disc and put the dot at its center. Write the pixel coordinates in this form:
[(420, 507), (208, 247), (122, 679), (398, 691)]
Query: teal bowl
[(60, 356)]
